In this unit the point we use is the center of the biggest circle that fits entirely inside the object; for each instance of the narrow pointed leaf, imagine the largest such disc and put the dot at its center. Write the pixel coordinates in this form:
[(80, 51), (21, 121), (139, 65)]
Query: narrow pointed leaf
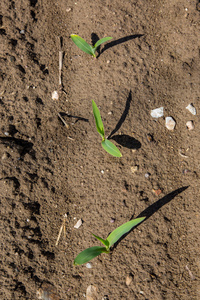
[(88, 254), (111, 148), (82, 44), (101, 41), (121, 230), (104, 242), (98, 120)]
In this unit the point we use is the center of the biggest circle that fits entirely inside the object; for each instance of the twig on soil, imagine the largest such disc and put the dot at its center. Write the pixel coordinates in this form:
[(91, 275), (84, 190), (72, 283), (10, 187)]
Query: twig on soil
[(62, 228), (181, 154), (190, 273), (60, 64), (60, 68), (63, 120), (70, 138), (64, 92)]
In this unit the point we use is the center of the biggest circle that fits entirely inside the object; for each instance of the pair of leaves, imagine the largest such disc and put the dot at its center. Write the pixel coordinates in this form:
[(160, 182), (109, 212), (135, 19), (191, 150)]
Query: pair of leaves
[(90, 253), (106, 144), (84, 46)]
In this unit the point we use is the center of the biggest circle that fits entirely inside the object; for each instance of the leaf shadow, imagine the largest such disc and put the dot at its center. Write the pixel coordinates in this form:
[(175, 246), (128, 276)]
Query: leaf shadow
[(127, 141), (94, 39), (119, 41), (152, 209), (123, 116), (124, 140)]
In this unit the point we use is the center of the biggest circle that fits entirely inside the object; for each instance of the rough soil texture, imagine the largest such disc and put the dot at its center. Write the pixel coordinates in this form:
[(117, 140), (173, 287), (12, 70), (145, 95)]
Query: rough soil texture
[(48, 171)]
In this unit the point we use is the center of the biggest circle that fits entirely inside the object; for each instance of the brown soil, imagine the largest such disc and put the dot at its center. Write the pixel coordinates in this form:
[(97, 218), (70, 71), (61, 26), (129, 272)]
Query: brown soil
[(48, 171)]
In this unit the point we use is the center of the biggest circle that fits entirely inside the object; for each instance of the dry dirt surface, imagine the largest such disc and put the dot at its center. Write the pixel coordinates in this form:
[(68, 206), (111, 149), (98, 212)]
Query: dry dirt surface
[(48, 171)]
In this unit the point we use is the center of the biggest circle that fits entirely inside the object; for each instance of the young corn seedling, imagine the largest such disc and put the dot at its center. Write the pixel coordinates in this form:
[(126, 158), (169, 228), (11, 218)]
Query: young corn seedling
[(90, 253), (106, 144), (87, 48)]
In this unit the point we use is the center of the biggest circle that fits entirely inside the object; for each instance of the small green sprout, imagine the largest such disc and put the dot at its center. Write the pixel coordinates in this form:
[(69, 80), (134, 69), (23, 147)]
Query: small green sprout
[(87, 48), (90, 253), (106, 144)]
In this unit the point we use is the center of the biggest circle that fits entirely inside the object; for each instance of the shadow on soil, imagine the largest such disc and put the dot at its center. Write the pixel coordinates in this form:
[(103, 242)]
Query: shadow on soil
[(149, 211), (124, 140), (94, 39), (114, 43), (127, 141), (22, 146)]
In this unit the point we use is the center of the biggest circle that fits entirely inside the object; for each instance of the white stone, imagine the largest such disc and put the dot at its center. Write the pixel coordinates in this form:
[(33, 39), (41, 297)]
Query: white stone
[(170, 123), (55, 95), (89, 265), (91, 292), (78, 224), (157, 112), (191, 109), (129, 279), (190, 125)]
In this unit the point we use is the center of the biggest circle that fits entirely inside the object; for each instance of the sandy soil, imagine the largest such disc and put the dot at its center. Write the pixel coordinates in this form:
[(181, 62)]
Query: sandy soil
[(48, 170)]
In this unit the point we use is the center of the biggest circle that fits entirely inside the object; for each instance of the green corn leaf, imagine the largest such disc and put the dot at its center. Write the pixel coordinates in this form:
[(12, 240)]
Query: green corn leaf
[(121, 230), (104, 242), (98, 120), (101, 41), (82, 44), (88, 254), (111, 148)]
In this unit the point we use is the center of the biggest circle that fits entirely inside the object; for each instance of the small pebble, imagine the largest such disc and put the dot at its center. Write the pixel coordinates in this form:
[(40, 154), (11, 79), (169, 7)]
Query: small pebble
[(78, 224), (157, 112), (157, 192), (55, 95), (102, 171), (12, 59), (129, 279), (22, 31), (4, 156), (170, 123), (141, 292), (134, 169), (149, 137), (91, 292), (186, 171), (6, 133), (89, 265), (112, 220), (190, 125), (68, 9), (191, 109), (146, 175), (47, 292)]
